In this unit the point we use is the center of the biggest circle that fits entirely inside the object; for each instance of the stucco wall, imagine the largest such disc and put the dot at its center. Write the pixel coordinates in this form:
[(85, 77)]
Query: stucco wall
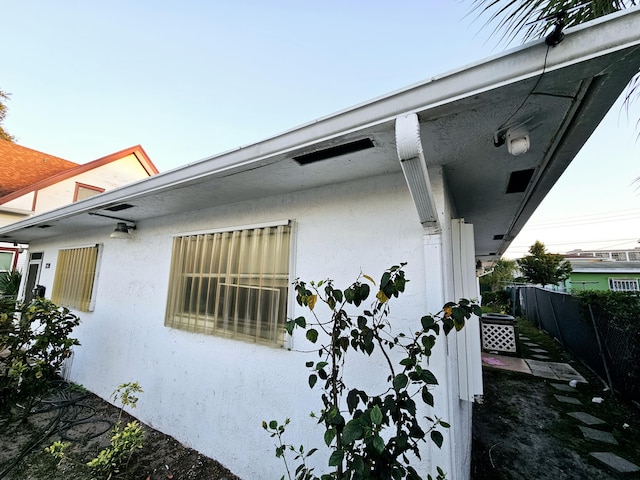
[(111, 175), (212, 393)]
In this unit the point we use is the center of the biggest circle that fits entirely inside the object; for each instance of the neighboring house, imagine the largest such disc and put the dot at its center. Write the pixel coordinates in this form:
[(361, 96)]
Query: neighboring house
[(598, 274), (440, 175), (33, 182), (632, 255)]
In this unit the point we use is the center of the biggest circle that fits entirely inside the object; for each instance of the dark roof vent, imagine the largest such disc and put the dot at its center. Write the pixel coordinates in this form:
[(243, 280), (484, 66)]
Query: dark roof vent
[(498, 237), (518, 181), (44, 226), (117, 208), (336, 151)]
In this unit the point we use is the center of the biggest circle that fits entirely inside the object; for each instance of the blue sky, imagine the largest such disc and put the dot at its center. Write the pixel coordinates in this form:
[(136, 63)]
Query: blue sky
[(190, 79)]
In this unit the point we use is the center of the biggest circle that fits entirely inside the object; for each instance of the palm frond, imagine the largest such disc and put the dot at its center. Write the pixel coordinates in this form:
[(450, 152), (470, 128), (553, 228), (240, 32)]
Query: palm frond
[(530, 19)]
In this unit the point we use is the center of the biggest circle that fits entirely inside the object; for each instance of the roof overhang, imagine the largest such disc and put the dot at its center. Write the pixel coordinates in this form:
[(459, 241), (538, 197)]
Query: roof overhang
[(557, 95)]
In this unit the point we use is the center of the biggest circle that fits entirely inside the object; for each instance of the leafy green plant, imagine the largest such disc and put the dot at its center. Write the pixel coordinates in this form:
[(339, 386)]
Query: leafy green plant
[(58, 450), (124, 441), (498, 301), (35, 341), (370, 435), (10, 282), (622, 309)]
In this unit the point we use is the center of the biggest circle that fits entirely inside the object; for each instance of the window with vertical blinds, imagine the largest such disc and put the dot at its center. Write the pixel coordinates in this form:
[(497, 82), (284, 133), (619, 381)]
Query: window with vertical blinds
[(75, 276), (232, 284)]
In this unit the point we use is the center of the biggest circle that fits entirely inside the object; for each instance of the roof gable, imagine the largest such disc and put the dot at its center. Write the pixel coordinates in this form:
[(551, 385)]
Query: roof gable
[(74, 169), (21, 167)]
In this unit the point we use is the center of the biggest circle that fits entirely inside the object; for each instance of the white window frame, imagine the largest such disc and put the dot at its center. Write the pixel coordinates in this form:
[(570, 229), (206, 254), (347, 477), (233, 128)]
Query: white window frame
[(617, 284), (176, 317)]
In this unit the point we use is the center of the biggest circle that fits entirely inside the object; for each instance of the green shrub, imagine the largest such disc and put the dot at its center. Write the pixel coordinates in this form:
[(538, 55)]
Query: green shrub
[(34, 341), (124, 441), (621, 309)]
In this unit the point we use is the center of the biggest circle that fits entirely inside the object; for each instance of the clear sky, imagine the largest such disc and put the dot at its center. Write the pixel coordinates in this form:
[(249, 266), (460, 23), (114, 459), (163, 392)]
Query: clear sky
[(189, 79)]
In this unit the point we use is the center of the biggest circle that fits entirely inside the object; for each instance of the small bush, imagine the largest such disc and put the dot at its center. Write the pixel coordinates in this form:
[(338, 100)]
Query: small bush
[(621, 309), (124, 441), (34, 341)]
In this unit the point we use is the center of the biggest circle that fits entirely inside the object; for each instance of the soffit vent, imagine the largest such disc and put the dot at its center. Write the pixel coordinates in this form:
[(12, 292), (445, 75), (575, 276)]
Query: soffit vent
[(498, 237), (117, 208), (519, 180), (336, 151)]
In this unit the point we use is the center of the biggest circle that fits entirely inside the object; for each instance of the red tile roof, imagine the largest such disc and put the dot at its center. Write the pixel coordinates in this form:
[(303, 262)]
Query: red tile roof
[(21, 166)]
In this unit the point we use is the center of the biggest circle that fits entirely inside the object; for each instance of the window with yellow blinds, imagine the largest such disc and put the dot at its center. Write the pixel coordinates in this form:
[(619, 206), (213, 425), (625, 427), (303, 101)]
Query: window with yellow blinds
[(74, 280), (233, 284)]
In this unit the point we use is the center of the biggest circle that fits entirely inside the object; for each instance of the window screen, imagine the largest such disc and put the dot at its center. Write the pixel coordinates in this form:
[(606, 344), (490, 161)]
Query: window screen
[(74, 278), (232, 284)]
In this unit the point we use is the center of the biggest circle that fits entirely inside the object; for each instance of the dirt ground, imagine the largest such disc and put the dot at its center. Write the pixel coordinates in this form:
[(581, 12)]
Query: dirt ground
[(85, 420), (522, 432)]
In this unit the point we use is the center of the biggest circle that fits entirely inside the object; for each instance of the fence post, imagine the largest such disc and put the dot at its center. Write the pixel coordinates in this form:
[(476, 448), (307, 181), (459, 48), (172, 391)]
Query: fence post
[(555, 320), (604, 360)]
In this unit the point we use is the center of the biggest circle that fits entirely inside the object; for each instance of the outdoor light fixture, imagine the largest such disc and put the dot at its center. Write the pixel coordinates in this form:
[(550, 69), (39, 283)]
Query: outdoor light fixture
[(516, 138), (122, 230), (517, 143)]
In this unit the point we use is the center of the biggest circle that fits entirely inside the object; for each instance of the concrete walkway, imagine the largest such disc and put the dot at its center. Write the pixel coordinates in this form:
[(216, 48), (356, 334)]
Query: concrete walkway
[(567, 379)]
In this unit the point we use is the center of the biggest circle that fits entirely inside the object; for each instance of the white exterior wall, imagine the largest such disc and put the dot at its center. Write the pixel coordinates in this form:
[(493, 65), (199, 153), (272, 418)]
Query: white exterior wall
[(22, 205), (111, 175), (212, 393)]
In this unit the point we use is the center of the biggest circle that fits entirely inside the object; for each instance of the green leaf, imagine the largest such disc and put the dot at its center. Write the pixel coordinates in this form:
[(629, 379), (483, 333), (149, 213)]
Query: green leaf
[(289, 326), (427, 322), (273, 424), (313, 378), (437, 438), (428, 377), (301, 322), (312, 335), (378, 444), (329, 435), (352, 431), (400, 381), (376, 415), (408, 362), (337, 294), (427, 396), (336, 458)]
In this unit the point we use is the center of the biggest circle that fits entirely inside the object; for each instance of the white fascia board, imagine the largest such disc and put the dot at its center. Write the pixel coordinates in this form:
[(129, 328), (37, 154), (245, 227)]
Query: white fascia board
[(599, 37)]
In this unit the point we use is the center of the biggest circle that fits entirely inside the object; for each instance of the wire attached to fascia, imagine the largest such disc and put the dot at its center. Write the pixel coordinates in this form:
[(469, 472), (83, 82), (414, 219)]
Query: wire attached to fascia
[(500, 136)]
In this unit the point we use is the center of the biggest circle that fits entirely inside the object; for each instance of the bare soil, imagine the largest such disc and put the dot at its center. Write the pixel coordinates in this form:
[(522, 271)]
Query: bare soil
[(86, 420), (522, 431)]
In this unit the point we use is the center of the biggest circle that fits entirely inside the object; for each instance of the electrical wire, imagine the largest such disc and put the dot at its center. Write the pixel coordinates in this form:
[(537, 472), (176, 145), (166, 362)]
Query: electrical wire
[(70, 413)]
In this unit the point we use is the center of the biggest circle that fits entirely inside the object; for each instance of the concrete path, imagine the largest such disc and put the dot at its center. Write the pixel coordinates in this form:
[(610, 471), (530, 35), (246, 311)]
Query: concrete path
[(593, 429)]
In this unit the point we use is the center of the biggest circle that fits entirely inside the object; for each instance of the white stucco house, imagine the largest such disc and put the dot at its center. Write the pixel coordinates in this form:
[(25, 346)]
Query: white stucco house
[(441, 175)]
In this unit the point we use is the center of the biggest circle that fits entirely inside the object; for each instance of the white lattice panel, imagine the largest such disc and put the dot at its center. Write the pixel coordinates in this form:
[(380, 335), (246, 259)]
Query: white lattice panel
[(499, 338)]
